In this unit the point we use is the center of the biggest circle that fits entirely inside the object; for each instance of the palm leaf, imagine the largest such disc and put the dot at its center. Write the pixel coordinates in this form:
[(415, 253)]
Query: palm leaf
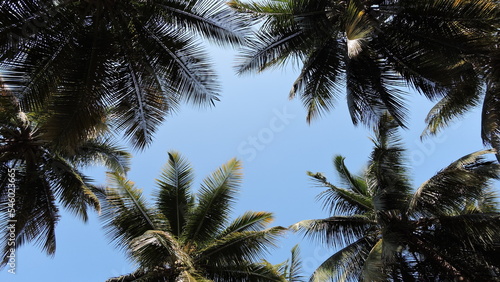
[(174, 199), (295, 266), (126, 215), (318, 81), (456, 103), (71, 187), (462, 180), (336, 230), (36, 215), (209, 18), (104, 152), (345, 264), (214, 203), (356, 183), (249, 221), (158, 248), (373, 265), (271, 49), (341, 200), (238, 247)]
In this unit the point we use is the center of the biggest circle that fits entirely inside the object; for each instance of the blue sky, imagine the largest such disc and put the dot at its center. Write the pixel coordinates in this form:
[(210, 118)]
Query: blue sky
[(256, 123)]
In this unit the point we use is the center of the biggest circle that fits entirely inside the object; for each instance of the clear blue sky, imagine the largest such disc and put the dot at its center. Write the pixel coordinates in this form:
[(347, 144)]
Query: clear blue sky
[(256, 123)]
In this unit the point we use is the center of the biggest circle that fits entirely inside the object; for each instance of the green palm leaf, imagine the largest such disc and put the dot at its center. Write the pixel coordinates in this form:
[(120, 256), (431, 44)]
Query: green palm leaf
[(345, 264), (214, 203), (174, 199), (295, 266), (105, 152), (462, 180), (356, 183), (72, 188), (238, 247), (336, 230), (318, 82), (387, 174), (249, 221), (341, 200), (36, 215), (157, 248), (125, 213), (456, 103), (209, 18)]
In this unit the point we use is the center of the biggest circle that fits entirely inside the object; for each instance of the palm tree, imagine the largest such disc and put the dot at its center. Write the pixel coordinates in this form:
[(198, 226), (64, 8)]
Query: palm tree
[(36, 175), (375, 47), (129, 61), (188, 237), (447, 229)]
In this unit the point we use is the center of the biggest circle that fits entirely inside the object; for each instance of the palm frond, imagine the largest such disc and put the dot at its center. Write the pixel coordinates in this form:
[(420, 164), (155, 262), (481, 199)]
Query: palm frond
[(295, 266), (35, 217), (345, 264), (455, 104), (125, 213), (490, 127), (211, 19), (174, 199), (319, 80), (185, 64), (356, 183), (271, 49), (372, 90), (449, 190), (275, 13), (341, 200), (215, 197), (249, 221), (157, 248), (239, 247), (73, 189), (142, 98), (373, 264), (336, 230), (105, 152)]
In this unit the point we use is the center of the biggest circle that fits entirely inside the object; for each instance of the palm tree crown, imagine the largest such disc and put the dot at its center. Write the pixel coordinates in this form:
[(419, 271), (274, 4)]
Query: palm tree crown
[(446, 229), (375, 48), (184, 237), (42, 175), (129, 61)]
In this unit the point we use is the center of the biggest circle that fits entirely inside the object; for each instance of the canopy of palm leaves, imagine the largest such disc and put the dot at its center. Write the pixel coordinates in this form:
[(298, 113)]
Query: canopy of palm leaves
[(44, 177), (447, 229), (129, 61), (188, 237), (374, 48)]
